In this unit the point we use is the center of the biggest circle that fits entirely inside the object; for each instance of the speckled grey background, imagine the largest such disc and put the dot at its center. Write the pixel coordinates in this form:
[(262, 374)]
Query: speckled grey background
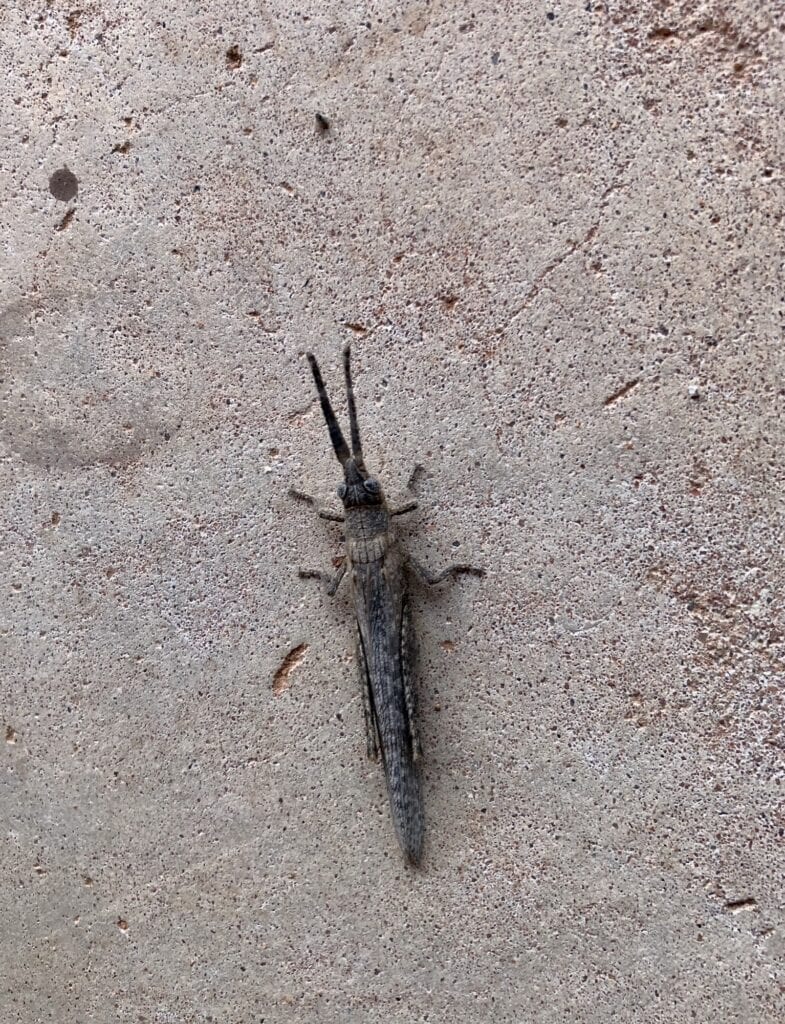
[(555, 235)]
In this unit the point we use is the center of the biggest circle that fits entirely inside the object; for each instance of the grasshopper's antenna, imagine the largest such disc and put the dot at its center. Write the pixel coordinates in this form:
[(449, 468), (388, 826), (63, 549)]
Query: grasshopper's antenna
[(357, 448), (336, 436)]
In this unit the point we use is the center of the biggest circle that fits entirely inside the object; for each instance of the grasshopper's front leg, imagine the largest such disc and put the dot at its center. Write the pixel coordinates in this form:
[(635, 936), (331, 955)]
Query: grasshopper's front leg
[(333, 582), (412, 504), (323, 513)]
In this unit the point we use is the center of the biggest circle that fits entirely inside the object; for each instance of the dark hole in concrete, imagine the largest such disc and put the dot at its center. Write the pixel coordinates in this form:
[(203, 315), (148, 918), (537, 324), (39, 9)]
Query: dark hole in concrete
[(63, 185)]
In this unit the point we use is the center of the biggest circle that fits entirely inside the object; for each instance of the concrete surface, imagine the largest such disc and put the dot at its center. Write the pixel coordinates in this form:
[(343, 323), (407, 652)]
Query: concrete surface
[(554, 232)]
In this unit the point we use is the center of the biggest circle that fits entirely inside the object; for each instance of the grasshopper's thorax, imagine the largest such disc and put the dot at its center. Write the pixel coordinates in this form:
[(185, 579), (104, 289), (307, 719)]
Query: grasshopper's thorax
[(366, 513), (367, 534)]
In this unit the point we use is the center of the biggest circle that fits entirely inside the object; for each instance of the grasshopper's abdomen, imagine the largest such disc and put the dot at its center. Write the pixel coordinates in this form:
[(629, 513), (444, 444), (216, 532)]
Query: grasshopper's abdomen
[(403, 789), (382, 616)]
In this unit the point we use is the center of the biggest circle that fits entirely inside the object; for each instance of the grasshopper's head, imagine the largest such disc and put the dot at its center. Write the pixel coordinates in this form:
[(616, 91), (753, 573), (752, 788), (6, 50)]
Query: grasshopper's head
[(359, 487)]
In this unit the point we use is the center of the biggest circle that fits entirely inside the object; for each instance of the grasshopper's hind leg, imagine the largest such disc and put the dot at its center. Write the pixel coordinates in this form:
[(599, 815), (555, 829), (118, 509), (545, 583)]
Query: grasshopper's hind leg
[(333, 582), (371, 730), (409, 694), (432, 578)]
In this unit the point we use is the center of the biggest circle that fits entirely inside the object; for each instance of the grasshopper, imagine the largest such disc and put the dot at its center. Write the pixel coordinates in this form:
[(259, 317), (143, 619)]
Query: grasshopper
[(377, 568)]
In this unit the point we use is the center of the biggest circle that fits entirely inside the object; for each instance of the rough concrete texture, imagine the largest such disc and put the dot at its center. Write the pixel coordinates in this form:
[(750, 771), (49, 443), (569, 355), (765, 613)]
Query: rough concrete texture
[(554, 234)]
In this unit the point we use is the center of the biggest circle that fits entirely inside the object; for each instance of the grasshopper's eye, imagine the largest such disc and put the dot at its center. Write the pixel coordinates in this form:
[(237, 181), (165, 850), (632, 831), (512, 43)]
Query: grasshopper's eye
[(372, 486), (341, 491)]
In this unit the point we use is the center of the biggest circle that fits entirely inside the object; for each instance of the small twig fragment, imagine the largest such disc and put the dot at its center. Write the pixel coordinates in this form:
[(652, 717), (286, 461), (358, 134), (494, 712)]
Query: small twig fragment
[(67, 218), (287, 666), (734, 906), (624, 390)]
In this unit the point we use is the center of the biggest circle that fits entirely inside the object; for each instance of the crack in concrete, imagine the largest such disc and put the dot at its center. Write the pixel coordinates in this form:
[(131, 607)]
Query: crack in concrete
[(572, 248)]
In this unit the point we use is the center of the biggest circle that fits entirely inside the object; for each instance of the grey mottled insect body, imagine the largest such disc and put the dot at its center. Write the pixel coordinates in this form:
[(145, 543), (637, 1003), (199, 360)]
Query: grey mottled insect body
[(377, 567)]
